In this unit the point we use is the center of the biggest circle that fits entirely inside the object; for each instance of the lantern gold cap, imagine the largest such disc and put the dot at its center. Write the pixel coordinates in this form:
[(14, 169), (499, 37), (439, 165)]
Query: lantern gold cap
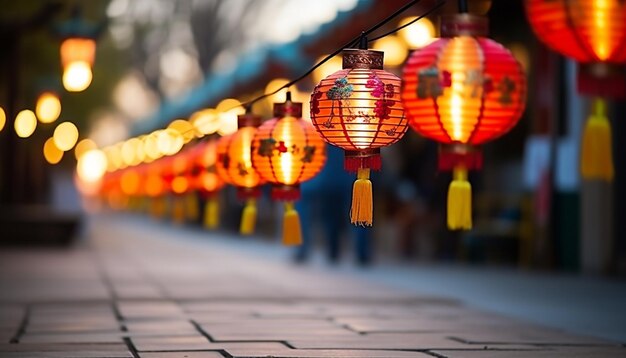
[(464, 24), (248, 120), (288, 108), (367, 59)]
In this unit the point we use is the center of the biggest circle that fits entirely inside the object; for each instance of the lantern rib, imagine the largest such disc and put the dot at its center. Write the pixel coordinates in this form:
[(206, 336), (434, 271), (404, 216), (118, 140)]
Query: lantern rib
[(481, 110), (306, 143), (270, 159), (577, 37), (435, 104)]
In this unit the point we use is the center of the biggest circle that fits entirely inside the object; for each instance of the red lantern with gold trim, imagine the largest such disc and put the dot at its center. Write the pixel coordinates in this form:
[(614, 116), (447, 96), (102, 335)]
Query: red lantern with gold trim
[(287, 151), (592, 32), (463, 90), (234, 166), (358, 109)]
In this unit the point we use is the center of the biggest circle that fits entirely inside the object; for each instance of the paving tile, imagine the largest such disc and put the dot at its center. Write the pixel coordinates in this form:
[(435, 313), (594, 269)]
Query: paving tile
[(105, 337), (181, 355), (319, 353), (162, 326), (152, 309), (195, 343), (536, 335), (74, 350), (560, 352)]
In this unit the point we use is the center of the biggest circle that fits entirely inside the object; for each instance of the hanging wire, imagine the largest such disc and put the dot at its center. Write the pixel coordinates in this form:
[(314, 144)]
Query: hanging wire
[(352, 43)]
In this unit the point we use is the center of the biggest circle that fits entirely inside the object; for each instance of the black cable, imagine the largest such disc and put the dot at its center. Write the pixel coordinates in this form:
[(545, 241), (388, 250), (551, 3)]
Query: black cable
[(348, 45), (428, 12)]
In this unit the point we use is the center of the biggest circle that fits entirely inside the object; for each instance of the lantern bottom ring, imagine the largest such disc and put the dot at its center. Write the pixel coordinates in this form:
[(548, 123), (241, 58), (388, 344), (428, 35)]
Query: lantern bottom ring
[(244, 193), (362, 159), (456, 155), (286, 192)]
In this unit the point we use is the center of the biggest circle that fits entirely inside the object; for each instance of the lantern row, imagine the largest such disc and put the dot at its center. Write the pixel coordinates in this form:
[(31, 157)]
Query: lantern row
[(462, 91)]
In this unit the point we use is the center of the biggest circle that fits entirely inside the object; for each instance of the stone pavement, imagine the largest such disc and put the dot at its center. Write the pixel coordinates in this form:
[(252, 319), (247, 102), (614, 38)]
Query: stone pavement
[(138, 290)]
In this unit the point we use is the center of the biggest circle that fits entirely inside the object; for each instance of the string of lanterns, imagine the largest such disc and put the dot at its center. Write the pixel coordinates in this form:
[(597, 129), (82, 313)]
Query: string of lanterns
[(462, 90)]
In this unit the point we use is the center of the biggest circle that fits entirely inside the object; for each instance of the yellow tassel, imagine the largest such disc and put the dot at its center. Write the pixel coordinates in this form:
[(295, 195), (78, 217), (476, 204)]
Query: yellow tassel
[(292, 233), (248, 218), (178, 210), (211, 213), (460, 201), (362, 202), (191, 207), (596, 156)]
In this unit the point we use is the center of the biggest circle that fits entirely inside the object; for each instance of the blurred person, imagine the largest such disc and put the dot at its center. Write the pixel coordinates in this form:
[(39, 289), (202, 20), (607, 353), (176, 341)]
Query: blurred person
[(326, 200)]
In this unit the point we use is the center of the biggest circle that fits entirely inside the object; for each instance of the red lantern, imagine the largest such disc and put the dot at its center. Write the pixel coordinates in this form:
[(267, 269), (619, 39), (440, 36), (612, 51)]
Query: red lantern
[(206, 180), (358, 109), (234, 166), (462, 91), (287, 151), (593, 32)]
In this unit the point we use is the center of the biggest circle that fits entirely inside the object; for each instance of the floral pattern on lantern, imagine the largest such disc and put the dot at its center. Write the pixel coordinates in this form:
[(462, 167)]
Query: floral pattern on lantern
[(359, 110), (463, 90), (287, 151)]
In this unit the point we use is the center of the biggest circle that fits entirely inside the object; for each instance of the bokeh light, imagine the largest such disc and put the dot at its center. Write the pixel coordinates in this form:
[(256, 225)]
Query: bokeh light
[(48, 107), (395, 50), (228, 110), (91, 165), (3, 119), (65, 136), (331, 66), (25, 123), (184, 128), (205, 122), (418, 34), (77, 76), (169, 141), (83, 146), (52, 154)]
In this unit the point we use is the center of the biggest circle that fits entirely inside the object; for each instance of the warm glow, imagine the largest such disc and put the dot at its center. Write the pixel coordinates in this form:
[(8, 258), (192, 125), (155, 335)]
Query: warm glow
[(78, 49), (169, 141), (25, 123), (184, 128), (418, 34), (154, 185), (205, 122), (65, 136), (228, 110), (272, 86), (150, 146), (114, 158), (91, 165), (395, 50), (77, 77), (48, 107), (130, 182), (601, 33), (180, 184), (128, 152), (52, 154), (83, 147), (329, 67), (3, 119)]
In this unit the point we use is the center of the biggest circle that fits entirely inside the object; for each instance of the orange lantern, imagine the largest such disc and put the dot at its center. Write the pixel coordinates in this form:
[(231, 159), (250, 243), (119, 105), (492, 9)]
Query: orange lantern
[(234, 166), (593, 32), (78, 51), (358, 109), (185, 204), (155, 188), (287, 151), (206, 181), (462, 91)]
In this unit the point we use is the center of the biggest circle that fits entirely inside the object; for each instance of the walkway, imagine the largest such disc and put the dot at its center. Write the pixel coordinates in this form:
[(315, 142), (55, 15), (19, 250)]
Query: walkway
[(138, 290)]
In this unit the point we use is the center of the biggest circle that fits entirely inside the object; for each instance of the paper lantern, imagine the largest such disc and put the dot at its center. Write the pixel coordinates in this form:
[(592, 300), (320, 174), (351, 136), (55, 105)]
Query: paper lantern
[(462, 91), (287, 151), (592, 32), (206, 180), (178, 174), (234, 166), (358, 109)]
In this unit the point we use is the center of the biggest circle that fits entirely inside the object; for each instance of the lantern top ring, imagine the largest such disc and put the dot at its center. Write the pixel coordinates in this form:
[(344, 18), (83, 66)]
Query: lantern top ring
[(288, 108), (367, 59), (464, 25), (248, 120)]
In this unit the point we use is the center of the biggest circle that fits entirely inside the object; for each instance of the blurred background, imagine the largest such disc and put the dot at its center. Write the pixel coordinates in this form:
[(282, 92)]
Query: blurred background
[(157, 61)]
